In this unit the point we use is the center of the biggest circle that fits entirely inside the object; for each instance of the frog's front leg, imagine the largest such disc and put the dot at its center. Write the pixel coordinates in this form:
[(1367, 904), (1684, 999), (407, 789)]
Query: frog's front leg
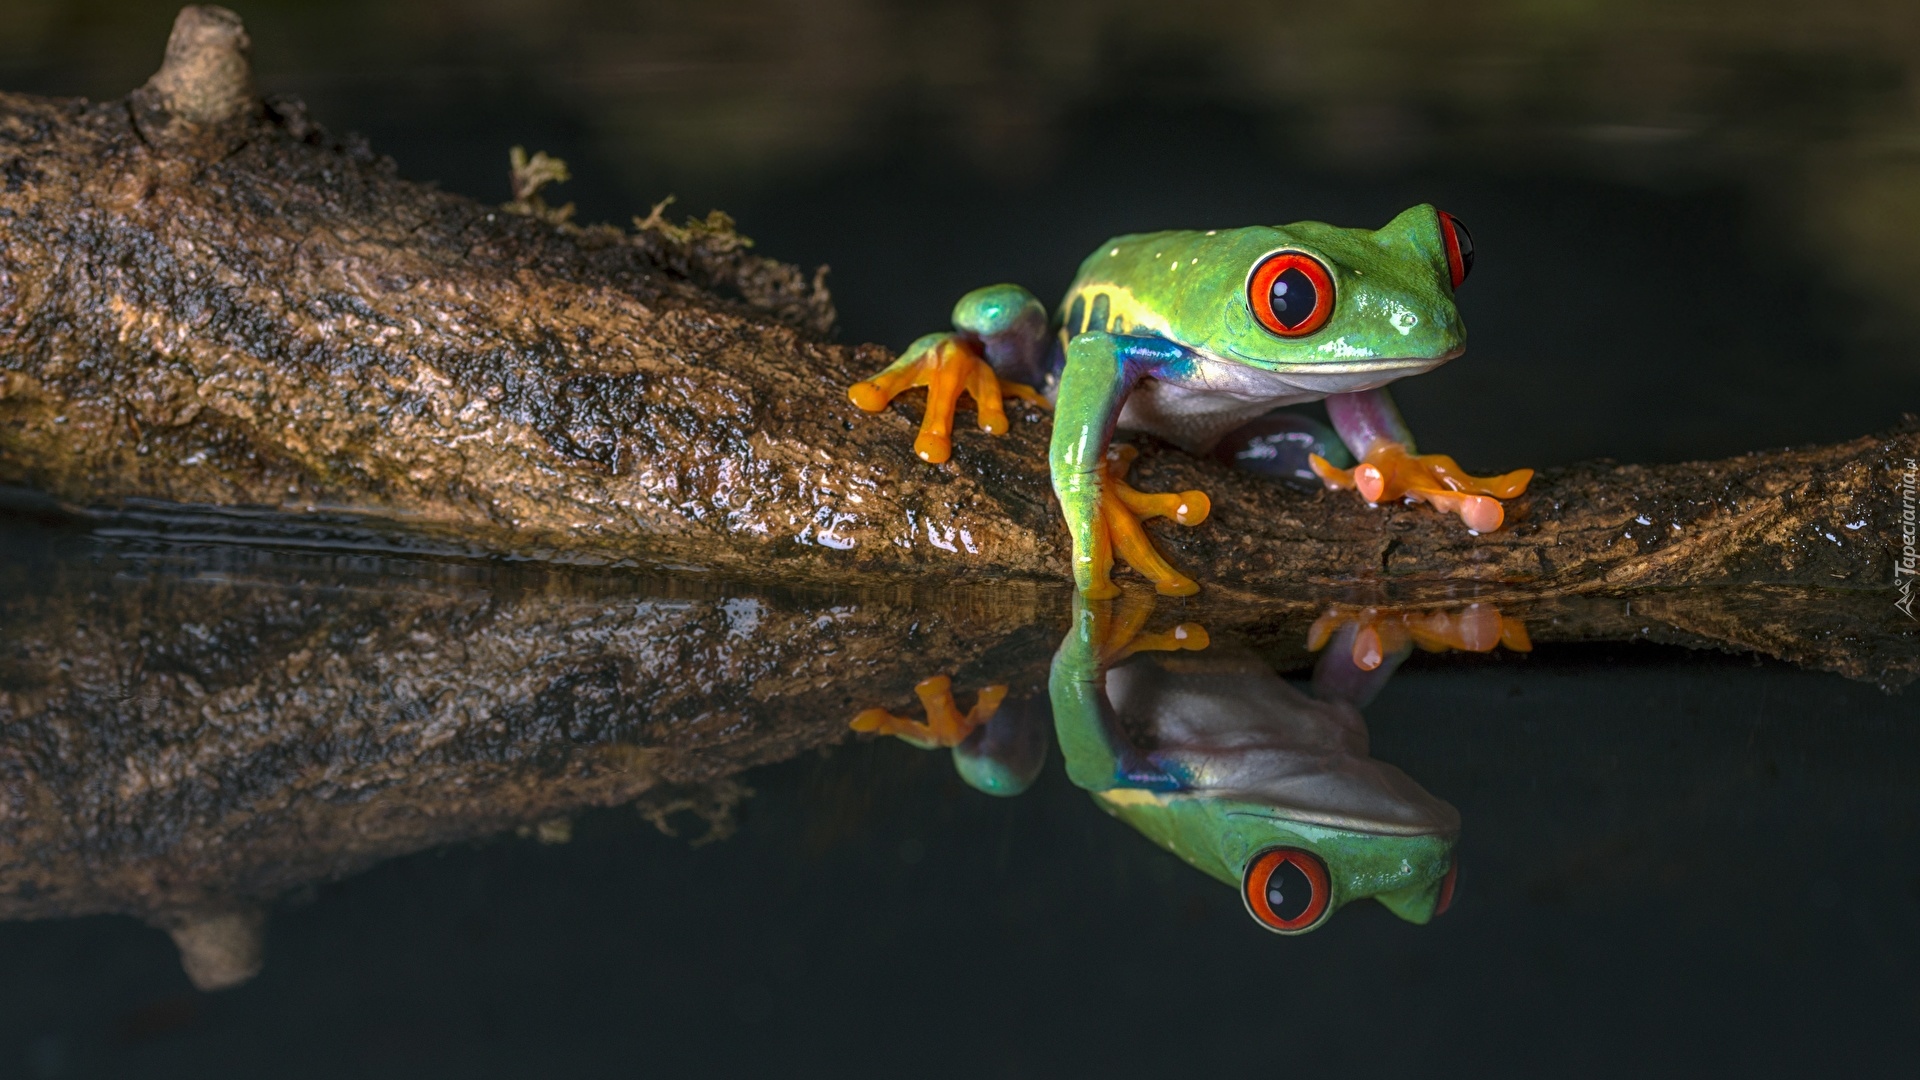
[(1000, 333), (1099, 755), (1390, 468), (1103, 513)]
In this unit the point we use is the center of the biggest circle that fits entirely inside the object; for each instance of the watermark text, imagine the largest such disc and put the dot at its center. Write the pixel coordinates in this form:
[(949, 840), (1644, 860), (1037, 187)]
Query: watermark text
[(1906, 567)]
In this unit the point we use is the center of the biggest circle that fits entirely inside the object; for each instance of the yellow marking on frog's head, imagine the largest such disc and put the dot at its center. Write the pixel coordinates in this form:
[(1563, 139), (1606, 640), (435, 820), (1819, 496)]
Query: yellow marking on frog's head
[(1128, 796), (1112, 308)]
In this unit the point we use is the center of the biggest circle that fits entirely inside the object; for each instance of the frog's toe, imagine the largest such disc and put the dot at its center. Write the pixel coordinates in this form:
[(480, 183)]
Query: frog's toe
[(870, 395), (1185, 507), (1480, 513), (1335, 477), (1436, 479), (882, 722), (947, 365)]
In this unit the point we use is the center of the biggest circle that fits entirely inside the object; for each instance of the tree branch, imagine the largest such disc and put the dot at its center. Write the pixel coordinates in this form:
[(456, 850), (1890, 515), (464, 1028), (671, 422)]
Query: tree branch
[(204, 299)]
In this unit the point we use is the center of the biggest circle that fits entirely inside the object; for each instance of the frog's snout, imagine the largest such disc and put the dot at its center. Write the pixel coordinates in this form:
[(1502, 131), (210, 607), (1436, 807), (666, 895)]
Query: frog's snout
[(1435, 333)]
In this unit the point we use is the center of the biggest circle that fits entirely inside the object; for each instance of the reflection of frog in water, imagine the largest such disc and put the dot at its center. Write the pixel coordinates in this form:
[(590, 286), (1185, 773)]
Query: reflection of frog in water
[(1219, 760)]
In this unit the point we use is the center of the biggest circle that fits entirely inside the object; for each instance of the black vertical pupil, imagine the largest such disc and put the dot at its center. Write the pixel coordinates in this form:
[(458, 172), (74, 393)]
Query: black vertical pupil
[(1289, 891), (1294, 297), (1463, 240)]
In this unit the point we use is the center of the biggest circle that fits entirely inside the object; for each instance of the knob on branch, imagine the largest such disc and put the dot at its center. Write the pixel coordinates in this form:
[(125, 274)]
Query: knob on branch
[(206, 80)]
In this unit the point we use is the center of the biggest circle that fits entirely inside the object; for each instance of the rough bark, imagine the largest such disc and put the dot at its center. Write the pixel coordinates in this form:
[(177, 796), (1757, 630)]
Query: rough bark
[(206, 300)]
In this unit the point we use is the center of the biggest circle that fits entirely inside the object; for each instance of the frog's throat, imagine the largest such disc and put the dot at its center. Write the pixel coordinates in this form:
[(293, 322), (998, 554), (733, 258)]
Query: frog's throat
[(1219, 382)]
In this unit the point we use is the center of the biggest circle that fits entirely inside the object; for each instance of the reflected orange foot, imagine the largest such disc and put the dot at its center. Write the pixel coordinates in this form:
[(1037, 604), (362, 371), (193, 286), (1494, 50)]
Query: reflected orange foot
[(1474, 628), (948, 368), (1117, 529), (1390, 472), (1117, 629), (946, 725)]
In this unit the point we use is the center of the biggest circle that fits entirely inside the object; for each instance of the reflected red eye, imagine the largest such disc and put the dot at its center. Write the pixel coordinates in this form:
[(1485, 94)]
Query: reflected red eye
[(1287, 890), (1459, 247), (1291, 293), (1446, 890)]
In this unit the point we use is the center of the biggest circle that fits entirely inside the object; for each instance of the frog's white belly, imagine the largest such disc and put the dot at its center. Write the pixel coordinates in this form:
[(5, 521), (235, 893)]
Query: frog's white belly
[(1214, 396), (1239, 731)]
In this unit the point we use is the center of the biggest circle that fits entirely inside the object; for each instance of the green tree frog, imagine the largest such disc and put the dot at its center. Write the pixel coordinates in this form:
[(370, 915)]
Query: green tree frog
[(1190, 335), (1246, 777)]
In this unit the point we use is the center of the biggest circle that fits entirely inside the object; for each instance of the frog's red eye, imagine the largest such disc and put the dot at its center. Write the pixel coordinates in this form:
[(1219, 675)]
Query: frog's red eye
[(1291, 293), (1459, 247), (1446, 890), (1287, 890)]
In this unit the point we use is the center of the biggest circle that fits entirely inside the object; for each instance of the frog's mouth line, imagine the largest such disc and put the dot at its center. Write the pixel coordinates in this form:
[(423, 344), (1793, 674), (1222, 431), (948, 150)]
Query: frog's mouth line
[(1346, 823), (1372, 366)]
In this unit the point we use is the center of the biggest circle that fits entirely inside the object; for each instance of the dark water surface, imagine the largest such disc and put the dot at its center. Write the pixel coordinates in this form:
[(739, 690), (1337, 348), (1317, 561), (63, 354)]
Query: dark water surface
[(1711, 853), (1695, 238)]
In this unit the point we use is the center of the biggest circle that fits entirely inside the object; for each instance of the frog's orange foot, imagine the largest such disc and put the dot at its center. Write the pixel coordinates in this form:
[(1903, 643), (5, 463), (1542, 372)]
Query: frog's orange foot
[(1122, 509), (946, 368), (1382, 631), (1390, 472), (946, 725)]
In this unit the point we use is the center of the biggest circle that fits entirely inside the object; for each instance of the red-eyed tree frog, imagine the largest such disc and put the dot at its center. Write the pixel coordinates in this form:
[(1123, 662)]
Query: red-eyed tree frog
[(1192, 335), (1249, 779)]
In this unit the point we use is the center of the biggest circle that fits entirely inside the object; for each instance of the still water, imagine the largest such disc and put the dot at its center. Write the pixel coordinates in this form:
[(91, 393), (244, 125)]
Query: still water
[(511, 820)]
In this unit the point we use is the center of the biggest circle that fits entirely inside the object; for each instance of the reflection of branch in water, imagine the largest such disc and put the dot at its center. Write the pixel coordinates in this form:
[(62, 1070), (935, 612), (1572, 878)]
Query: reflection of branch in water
[(715, 803), (187, 734)]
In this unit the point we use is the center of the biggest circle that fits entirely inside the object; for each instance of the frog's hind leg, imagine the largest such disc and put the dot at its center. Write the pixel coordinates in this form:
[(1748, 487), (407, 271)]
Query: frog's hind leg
[(1390, 467), (1002, 331)]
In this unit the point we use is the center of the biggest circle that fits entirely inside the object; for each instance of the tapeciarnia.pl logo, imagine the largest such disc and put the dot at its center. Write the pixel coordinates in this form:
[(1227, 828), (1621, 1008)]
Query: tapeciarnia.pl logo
[(1907, 566)]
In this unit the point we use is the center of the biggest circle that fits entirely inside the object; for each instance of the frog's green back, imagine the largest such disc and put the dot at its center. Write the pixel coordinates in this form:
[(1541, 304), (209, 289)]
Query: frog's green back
[(1393, 292)]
